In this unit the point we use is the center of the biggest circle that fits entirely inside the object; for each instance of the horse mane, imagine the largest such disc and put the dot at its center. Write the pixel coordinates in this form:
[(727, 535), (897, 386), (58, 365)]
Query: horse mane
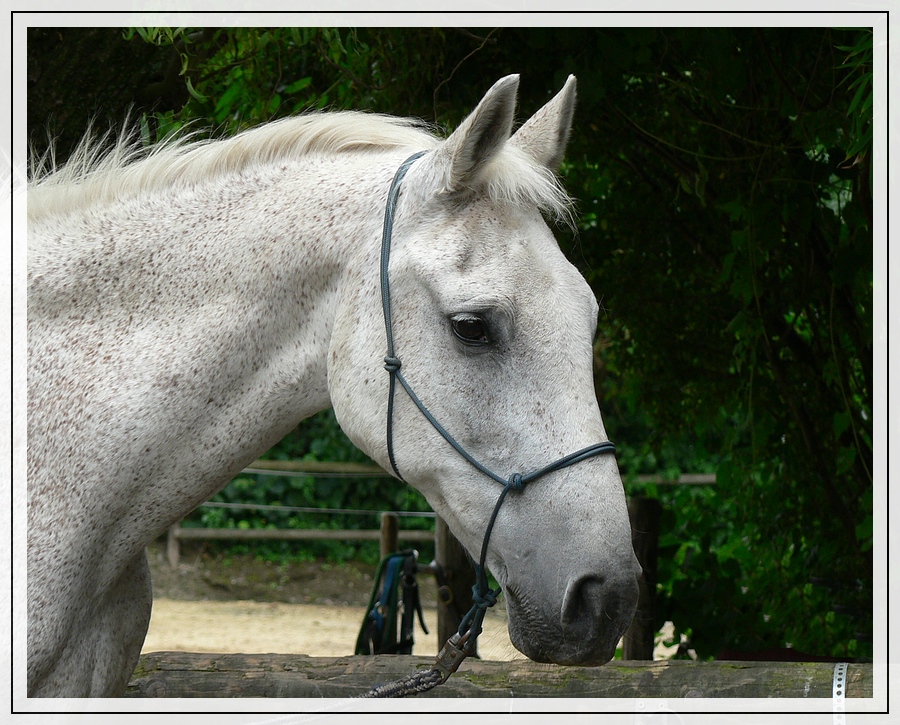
[(97, 172)]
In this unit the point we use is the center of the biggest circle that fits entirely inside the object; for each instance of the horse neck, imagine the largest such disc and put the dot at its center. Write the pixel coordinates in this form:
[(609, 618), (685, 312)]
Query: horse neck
[(195, 325), (243, 272), (307, 232)]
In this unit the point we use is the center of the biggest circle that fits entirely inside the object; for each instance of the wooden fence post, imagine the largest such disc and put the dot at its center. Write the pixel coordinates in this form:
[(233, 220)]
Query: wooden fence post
[(173, 547), (390, 526), (644, 514), (456, 599), (388, 544)]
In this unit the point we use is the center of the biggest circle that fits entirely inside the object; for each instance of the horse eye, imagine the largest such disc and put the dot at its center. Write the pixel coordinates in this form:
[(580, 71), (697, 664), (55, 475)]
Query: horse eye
[(470, 330)]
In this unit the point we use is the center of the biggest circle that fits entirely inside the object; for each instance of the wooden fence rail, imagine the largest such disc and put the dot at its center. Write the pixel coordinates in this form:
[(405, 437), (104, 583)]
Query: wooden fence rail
[(325, 468), (177, 534), (182, 674)]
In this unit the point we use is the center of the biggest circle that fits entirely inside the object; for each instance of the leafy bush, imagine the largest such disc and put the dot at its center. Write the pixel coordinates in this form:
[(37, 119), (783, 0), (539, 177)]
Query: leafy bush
[(316, 439)]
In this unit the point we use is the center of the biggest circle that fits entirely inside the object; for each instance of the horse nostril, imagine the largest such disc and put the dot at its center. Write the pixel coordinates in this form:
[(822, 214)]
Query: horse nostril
[(583, 604)]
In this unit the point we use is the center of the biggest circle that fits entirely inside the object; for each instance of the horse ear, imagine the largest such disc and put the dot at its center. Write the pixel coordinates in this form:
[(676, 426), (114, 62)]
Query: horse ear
[(479, 136), (544, 135)]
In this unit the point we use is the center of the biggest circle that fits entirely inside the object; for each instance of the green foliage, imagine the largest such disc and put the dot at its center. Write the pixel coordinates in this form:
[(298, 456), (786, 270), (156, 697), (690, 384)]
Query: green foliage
[(725, 200), (240, 77), (317, 439), (859, 67), (724, 179)]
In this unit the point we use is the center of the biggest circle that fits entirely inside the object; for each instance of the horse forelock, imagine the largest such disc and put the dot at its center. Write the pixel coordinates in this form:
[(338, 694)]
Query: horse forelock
[(512, 177)]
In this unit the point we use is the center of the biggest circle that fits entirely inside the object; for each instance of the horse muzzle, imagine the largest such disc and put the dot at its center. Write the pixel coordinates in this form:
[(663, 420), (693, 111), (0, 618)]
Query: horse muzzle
[(582, 627)]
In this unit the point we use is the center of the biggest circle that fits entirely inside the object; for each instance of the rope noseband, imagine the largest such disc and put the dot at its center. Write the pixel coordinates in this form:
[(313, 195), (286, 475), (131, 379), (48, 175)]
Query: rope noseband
[(461, 644)]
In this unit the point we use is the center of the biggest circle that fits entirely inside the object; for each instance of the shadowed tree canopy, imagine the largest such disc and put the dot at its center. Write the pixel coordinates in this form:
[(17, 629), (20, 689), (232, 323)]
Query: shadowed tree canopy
[(723, 180)]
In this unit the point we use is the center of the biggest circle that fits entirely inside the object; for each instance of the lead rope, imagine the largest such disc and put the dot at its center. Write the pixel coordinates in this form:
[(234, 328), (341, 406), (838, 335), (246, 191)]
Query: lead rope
[(458, 646), (462, 643)]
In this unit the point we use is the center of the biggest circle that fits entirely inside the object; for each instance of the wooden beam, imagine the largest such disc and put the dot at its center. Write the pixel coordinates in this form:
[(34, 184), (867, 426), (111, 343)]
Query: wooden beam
[(368, 469), (319, 467), (454, 596), (298, 534), (389, 535), (183, 674), (644, 514), (686, 479)]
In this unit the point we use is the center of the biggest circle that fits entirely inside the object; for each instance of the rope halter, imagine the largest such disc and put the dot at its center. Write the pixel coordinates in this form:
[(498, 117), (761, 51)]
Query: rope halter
[(462, 643)]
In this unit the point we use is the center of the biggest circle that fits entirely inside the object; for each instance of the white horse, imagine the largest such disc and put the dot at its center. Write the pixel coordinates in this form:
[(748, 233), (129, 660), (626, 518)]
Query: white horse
[(187, 309)]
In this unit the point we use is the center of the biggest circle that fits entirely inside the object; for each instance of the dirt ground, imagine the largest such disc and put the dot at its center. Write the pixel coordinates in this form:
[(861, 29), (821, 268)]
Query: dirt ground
[(213, 603)]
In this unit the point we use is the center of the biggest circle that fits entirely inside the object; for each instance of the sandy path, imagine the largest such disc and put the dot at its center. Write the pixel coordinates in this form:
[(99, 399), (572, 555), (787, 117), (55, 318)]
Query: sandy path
[(263, 627)]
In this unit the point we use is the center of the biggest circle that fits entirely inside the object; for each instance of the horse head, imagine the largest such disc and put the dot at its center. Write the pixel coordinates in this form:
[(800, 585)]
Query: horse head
[(494, 328)]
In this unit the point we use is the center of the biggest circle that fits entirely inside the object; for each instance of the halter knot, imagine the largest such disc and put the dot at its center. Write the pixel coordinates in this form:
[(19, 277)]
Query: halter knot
[(392, 364), (483, 601), (515, 482)]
